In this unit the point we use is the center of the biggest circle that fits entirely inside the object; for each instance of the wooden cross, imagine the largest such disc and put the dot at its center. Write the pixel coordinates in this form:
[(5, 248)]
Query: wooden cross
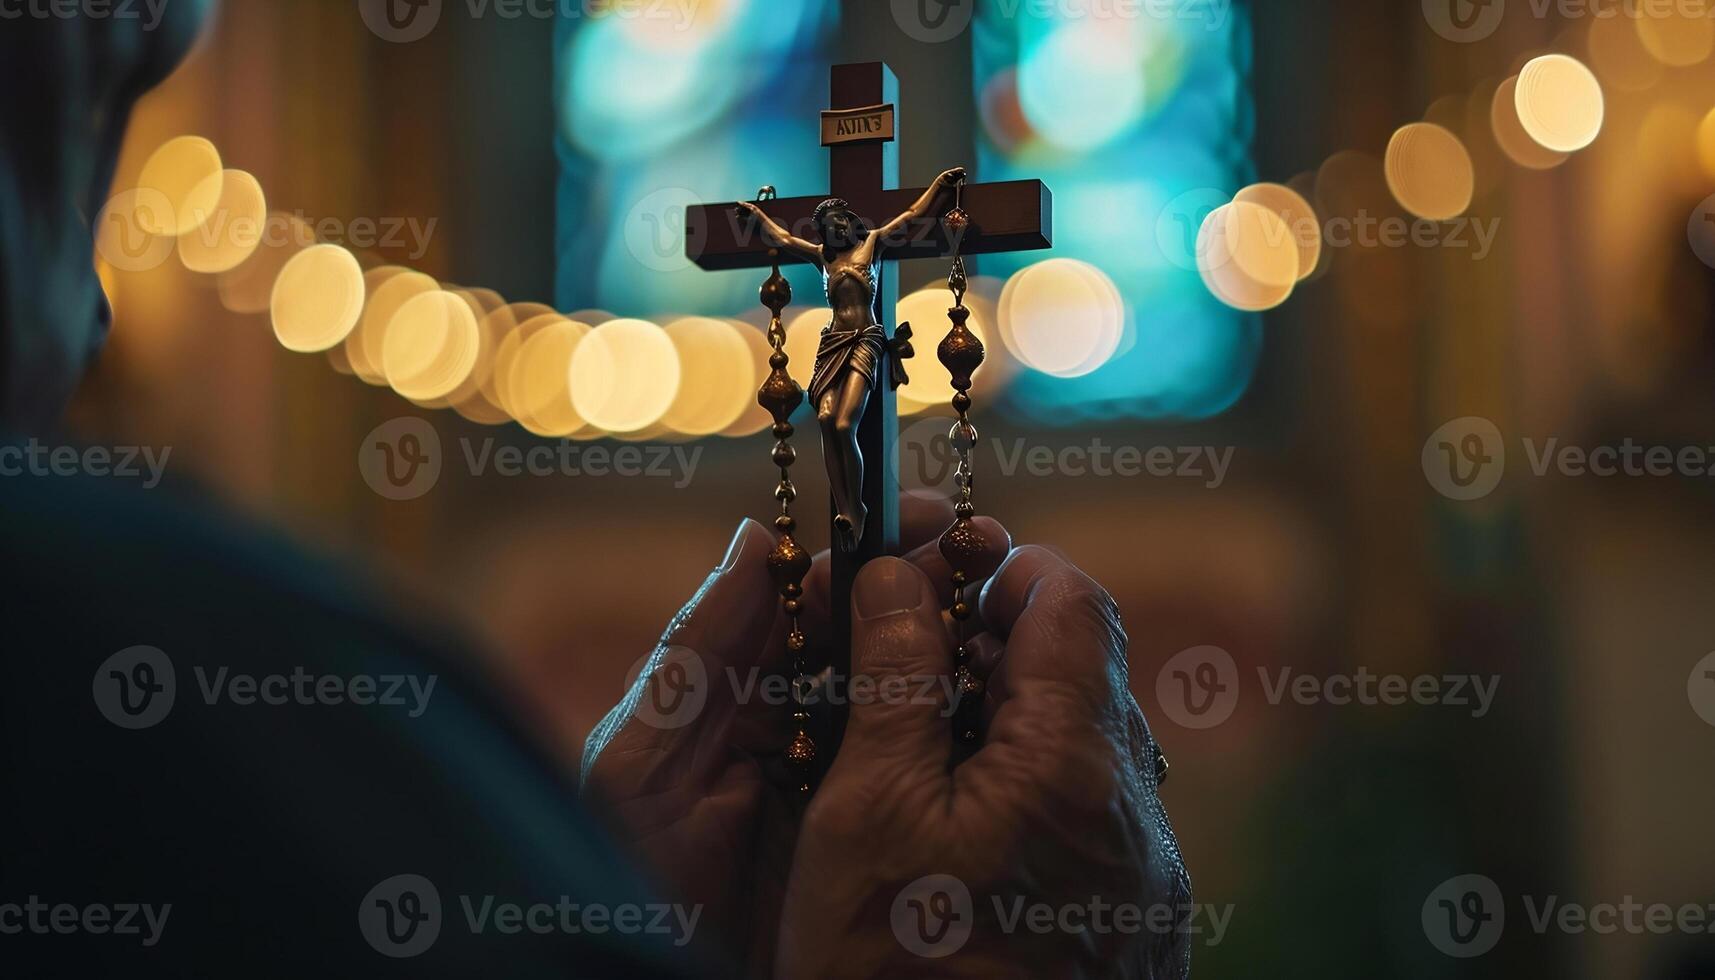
[(863, 168)]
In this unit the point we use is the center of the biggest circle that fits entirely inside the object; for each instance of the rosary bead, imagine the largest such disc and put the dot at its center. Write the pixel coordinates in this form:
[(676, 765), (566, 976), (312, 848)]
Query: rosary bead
[(784, 454), (792, 606), (801, 751), (785, 522), (962, 543), (959, 578), (783, 430), (963, 435), (965, 508), (795, 640), (788, 563), (961, 610)]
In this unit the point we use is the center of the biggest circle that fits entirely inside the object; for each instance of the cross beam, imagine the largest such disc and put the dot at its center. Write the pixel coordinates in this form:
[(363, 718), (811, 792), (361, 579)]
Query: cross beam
[(863, 167)]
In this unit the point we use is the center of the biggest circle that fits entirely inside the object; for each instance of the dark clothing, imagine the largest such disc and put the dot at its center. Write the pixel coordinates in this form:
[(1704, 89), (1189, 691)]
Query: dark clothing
[(267, 827)]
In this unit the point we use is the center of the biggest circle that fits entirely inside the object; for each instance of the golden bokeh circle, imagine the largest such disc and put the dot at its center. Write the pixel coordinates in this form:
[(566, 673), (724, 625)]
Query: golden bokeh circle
[(186, 172), (1299, 217), (249, 286), (717, 380), (1064, 317), (1559, 103), (755, 418), (1247, 256), (367, 345), (512, 325), (625, 375), (540, 383), (430, 346), (1618, 56), (1706, 144), (1429, 171), (317, 299), (232, 231), (1510, 133), (1675, 34)]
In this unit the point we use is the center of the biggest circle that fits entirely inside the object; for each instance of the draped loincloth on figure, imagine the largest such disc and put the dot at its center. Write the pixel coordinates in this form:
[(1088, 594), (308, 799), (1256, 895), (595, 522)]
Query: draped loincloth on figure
[(861, 349)]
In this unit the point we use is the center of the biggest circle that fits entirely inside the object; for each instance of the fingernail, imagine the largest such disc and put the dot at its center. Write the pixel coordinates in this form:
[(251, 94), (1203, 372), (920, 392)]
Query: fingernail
[(740, 540), (887, 587)]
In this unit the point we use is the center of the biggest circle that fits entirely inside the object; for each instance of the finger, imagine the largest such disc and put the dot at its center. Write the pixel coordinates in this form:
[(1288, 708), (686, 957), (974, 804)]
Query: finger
[(898, 719), (923, 550), (1061, 627)]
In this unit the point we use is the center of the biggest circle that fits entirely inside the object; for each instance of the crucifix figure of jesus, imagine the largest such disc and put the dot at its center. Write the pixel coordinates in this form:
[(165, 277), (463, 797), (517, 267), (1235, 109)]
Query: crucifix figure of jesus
[(863, 163), (853, 347)]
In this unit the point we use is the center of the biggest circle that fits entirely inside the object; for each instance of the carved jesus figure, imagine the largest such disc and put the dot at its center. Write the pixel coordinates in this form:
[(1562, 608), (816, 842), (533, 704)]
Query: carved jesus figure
[(853, 345)]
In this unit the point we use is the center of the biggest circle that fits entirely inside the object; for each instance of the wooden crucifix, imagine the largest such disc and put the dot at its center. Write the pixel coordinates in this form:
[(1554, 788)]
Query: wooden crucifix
[(860, 130)]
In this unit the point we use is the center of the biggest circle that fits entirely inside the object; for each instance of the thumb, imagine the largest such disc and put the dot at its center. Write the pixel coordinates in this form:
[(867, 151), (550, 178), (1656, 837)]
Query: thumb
[(900, 666)]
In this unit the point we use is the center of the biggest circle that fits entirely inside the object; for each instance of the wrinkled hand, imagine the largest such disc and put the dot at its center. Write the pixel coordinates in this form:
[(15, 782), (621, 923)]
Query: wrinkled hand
[(1057, 807), (688, 766)]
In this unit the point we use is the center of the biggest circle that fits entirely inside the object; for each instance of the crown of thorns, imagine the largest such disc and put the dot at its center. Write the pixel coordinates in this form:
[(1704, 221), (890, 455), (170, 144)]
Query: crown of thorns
[(831, 204)]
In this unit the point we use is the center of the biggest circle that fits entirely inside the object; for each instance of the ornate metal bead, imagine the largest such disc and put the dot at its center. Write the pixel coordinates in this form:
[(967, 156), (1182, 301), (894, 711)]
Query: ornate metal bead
[(785, 522), (967, 684), (795, 641), (788, 563), (960, 351), (784, 454), (962, 543), (776, 292), (780, 396), (801, 751)]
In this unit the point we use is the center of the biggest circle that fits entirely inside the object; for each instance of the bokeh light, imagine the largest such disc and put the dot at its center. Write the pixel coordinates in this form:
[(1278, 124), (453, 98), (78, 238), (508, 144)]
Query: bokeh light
[(317, 299), (512, 325), (430, 345), (1064, 317), (232, 231), (1429, 171), (1510, 133), (540, 384), (754, 418), (625, 375), (1618, 55), (717, 380), (1559, 103), (1678, 34), (367, 345), (1706, 144), (803, 336), (1298, 216), (1247, 256), (186, 173), (249, 286), (1060, 77), (468, 399)]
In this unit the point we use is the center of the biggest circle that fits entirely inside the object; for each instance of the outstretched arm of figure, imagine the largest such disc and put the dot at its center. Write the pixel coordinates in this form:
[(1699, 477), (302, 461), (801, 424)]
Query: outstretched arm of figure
[(777, 235), (917, 210)]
